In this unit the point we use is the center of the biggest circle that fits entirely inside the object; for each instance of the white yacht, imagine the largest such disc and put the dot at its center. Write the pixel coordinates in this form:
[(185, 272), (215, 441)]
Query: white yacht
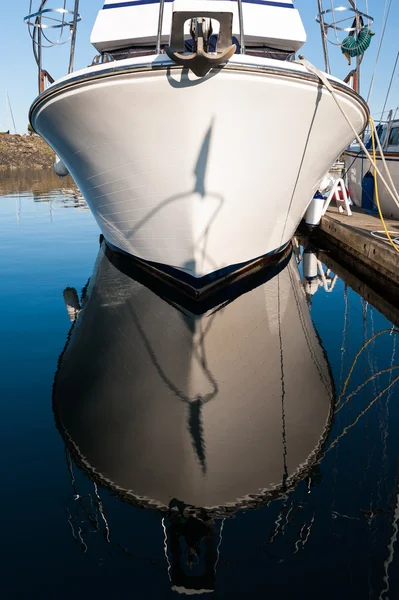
[(195, 137)]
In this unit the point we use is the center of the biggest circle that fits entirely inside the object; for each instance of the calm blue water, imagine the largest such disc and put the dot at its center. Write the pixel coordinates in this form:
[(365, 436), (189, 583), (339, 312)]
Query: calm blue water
[(67, 532)]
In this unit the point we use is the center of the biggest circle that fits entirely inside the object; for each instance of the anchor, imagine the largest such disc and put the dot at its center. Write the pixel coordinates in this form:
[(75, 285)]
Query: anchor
[(200, 62)]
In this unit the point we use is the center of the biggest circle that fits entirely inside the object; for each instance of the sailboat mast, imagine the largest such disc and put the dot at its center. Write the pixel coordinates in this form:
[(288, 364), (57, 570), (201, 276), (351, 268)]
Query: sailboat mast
[(8, 103), (323, 38)]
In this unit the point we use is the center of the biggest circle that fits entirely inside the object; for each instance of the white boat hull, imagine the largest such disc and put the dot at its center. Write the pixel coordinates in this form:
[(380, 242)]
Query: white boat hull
[(198, 174), (358, 165)]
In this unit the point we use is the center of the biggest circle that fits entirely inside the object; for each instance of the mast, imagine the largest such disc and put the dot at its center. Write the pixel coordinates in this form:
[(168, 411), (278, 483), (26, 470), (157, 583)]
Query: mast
[(323, 38), (8, 103), (358, 58)]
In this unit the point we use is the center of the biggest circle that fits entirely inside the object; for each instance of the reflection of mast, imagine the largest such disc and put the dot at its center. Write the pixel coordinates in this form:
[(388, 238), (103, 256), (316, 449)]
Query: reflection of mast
[(391, 547), (193, 549), (18, 209)]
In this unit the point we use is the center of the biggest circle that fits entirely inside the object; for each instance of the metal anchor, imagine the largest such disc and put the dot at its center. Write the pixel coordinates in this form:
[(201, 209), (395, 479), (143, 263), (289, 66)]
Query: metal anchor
[(201, 62)]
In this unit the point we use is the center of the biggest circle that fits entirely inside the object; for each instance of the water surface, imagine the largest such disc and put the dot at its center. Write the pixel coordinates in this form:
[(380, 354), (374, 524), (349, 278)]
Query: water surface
[(126, 411)]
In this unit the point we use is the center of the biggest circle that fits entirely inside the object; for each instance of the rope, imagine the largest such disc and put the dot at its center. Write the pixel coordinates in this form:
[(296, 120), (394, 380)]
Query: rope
[(390, 86)]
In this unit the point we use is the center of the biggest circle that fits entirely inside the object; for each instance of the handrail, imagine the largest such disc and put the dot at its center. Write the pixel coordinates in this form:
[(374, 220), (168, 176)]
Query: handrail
[(358, 13), (73, 39), (40, 21)]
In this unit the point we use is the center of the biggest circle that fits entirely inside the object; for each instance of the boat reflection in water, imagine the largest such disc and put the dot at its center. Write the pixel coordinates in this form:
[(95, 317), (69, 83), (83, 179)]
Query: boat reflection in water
[(196, 411)]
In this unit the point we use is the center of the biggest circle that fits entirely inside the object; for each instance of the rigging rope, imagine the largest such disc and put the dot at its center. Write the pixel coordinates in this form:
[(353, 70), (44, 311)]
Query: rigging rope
[(390, 86), (386, 15)]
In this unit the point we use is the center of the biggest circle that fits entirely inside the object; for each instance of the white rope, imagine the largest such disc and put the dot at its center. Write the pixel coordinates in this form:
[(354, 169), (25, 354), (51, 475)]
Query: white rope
[(392, 191)]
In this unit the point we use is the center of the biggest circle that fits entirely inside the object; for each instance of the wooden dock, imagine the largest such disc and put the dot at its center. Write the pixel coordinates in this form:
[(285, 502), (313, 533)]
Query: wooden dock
[(358, 236)]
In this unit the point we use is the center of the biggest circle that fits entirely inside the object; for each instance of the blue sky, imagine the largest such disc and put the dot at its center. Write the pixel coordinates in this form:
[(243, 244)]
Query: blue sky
[(18, 73)]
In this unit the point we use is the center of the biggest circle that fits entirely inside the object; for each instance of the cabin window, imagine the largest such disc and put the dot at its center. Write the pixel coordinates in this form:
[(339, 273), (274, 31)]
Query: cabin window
[(394, 137), (383, 135)]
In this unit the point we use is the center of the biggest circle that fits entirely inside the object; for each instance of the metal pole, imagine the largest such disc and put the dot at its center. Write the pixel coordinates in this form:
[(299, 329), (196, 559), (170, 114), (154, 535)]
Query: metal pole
[(323, 38), (241, 20), (358, 58), (39, 57), (389, 127), (160, 22), (358, 63), (73, 39)]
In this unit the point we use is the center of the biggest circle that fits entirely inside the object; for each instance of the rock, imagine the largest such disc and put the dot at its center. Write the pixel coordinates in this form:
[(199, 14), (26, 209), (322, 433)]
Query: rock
[(25, 152)]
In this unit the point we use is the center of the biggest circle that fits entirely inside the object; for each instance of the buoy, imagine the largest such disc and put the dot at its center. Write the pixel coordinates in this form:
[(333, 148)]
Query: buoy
[(368, 191), (315, 210), (59, 167)]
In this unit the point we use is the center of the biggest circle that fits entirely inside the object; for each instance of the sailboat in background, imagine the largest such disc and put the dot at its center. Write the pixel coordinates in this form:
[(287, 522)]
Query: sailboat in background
[(360, 170), (9, 115)]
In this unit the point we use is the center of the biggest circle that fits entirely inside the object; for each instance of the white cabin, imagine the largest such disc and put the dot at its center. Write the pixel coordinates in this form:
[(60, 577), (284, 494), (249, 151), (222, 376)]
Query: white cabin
[(134, 23)]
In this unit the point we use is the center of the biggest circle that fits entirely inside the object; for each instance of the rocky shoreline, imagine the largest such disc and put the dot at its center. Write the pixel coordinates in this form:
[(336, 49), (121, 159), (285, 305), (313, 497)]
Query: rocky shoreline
[(25, 152)]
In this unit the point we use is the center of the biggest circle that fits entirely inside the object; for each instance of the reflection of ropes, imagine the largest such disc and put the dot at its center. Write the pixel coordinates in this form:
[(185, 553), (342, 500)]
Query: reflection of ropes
[(304, 534), (391, 551), (373, 401), (362, 385), (344, 333), (219, 544), (357, 356), (90, 510), (285, 476)]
